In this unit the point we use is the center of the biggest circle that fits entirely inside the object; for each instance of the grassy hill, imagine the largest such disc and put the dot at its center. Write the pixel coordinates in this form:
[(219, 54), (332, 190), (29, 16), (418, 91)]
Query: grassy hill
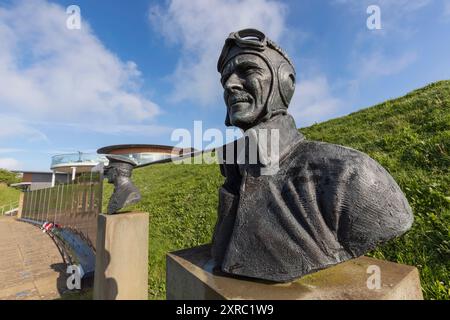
[(409, 136), (8, 195)]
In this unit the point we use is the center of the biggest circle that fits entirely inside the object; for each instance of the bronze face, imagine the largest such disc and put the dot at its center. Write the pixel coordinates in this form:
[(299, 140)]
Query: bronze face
[(246, 80), (111, 174)]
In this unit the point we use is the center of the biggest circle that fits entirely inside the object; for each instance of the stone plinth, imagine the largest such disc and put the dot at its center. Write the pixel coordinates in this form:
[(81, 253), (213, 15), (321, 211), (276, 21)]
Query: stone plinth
[(190, 275), (121, 267)]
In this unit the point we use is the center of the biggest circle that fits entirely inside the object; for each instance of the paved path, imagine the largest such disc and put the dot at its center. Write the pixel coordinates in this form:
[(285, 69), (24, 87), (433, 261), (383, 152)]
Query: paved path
[(31, 266)]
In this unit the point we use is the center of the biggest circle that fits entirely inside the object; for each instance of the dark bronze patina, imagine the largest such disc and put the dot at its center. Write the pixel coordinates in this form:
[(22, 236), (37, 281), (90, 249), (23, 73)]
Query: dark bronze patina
[(324, 204), (118, 172)]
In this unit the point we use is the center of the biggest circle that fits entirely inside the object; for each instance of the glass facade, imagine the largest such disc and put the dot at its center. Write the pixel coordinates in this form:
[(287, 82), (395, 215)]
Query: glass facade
[(78, 159), (85, 159)]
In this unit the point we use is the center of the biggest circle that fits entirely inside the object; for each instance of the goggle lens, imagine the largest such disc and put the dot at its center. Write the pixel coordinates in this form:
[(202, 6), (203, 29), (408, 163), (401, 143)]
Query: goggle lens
[(249, 38)]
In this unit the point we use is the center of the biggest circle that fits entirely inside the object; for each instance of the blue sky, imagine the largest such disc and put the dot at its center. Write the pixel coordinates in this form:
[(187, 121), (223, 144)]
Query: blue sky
[(137, 70)]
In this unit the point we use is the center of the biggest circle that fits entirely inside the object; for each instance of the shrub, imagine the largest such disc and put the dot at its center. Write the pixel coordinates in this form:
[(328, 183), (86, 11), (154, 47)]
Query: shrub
[(8, 177)]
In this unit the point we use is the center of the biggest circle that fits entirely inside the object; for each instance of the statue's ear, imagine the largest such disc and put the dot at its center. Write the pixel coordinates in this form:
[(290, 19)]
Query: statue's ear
[(286, 82)]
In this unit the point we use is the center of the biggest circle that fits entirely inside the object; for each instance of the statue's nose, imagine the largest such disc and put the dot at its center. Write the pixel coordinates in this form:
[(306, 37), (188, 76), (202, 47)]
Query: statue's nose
[(233, 83)]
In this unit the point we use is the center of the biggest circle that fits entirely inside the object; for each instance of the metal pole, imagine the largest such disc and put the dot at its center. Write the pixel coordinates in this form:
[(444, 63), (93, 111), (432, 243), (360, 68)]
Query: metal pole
[(43, 205), (71, 203), (30, 210), (53, 179), (56, 202), (90, 192), (38, 209), (66, 203), (62, 201)]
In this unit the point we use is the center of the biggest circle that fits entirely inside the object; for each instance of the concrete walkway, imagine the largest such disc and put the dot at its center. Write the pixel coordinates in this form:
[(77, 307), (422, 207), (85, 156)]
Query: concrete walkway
[(31, 266)]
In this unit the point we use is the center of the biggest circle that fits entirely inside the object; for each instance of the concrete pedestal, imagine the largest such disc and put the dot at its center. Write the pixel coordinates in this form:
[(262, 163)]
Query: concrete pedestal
[(190, 276), (121, 267)]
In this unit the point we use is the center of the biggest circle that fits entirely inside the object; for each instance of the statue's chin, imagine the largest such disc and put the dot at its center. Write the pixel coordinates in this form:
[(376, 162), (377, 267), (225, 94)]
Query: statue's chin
[(245, 123), (245, 115), (242, 122), (132, 199)]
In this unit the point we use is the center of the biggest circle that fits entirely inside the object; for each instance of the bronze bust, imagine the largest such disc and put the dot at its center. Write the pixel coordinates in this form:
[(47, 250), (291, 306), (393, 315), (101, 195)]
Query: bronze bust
[(118, 172), (324, 204)]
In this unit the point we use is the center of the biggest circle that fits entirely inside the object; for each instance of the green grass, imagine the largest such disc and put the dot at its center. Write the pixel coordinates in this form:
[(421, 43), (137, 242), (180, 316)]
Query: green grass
[(8, 195), (409, 136)]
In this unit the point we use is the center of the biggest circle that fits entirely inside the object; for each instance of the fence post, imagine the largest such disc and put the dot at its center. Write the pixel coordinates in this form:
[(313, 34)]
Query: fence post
[(19, 211)]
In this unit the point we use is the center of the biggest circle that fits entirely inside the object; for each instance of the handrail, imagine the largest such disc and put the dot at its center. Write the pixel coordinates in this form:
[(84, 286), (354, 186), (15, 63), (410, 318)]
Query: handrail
[(12, 205)]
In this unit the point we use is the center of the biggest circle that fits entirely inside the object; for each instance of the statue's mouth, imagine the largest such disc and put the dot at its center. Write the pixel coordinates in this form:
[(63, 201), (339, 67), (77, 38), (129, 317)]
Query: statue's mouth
[(235, 99)]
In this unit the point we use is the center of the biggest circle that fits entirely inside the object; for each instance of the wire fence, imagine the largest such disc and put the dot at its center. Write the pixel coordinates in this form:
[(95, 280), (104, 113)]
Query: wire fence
[(74, 206)]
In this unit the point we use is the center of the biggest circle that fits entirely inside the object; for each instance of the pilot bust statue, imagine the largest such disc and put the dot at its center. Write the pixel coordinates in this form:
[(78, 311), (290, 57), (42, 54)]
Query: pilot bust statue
[(118, 172), (324, 204)]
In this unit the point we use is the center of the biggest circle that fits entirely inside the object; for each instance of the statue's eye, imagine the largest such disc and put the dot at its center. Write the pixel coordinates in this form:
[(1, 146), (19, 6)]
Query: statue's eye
[(249, 71)]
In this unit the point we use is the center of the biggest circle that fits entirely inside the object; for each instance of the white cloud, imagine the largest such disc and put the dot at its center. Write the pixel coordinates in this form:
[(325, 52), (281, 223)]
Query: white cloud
[(10, 150), (200, 27), (387, 52), (11, 127), (51, 73), (397, 16), (446, 11), (401, 6), (141, 130), (107, 128), (313, 101), (9, 164), (378, 64)]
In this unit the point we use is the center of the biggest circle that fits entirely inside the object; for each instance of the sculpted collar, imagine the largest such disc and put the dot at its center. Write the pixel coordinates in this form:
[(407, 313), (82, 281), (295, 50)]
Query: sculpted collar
[(272, 139)]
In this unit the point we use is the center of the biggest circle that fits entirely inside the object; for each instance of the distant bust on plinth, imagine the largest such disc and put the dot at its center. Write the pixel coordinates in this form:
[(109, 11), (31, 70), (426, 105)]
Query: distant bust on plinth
[(118, 172), (325, 203)]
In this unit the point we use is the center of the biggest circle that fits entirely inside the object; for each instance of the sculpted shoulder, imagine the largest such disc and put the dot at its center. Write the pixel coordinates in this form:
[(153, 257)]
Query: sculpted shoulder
[(340, 162), (323, 151), (359, 188)]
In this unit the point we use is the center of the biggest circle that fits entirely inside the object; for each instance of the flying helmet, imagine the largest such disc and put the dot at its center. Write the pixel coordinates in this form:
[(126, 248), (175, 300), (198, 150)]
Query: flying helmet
[(252, 41)]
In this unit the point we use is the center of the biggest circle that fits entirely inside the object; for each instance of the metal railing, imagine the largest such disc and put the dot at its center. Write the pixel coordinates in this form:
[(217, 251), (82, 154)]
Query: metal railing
[(7, 209), (73, 206)]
